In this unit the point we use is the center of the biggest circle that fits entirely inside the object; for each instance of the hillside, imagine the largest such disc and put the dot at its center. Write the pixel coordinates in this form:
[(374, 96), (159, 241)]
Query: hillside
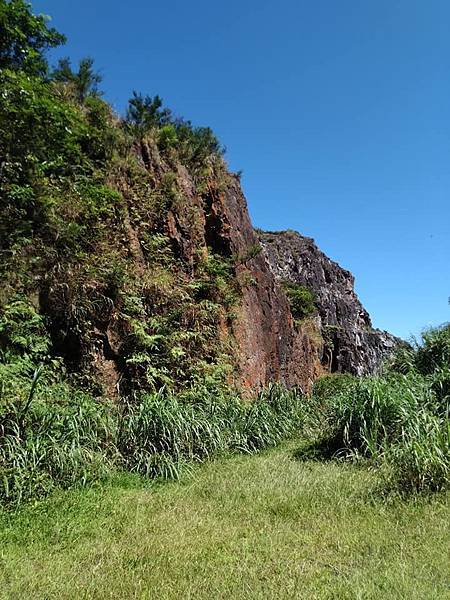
[(129, 255)]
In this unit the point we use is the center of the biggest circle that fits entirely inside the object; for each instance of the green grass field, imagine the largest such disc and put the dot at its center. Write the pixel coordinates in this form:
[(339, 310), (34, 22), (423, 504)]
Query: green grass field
[(262, 526)]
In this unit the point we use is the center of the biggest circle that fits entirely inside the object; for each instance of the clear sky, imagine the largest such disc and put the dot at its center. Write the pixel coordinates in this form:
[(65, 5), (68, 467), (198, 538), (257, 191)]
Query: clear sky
[(337, 111)]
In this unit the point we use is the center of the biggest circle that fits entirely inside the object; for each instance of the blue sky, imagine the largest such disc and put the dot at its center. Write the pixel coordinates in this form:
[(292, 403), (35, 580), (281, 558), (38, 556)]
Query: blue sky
[(338, 113)]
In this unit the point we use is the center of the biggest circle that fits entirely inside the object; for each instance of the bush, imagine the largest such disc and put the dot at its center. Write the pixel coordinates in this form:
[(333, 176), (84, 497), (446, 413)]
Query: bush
[(25, 38), (434, 351), (301, 300), (431, 358), (22, 331)]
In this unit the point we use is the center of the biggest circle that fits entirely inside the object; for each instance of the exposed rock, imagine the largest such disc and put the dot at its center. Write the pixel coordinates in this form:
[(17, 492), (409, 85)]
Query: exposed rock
[(269, 347), (201, 217), (350, 342)]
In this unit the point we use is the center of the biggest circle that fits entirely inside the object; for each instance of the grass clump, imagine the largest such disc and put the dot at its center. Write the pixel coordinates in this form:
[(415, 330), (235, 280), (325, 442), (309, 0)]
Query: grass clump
[(399, 420), (57, 438), (164, 432)]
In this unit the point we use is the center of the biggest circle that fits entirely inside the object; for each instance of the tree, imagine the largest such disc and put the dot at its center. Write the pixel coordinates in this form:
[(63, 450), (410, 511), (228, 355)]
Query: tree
[(24, 38), (145, 113), (85, 81)]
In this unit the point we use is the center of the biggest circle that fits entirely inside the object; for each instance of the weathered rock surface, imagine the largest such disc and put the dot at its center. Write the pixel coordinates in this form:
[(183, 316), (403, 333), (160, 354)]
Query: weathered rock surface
[(350, 342), (269, 346), (203, 218)]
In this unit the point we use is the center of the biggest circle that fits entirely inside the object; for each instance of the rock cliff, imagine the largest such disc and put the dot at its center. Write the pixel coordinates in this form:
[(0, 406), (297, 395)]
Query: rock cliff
[(270, 347), (257, 337), (267, 346), (351, 344), (130, 259)]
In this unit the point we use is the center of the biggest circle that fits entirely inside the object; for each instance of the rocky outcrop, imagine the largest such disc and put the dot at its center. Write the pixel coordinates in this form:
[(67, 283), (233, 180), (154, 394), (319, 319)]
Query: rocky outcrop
[(269, 345), (350, 342), (97, 330)]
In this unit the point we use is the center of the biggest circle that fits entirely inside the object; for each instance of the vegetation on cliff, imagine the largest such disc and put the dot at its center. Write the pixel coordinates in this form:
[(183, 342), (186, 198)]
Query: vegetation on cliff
[(82, 235)]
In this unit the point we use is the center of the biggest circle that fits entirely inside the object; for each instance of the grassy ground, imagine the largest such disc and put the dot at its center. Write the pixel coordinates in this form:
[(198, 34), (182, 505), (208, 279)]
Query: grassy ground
[(265, 526)]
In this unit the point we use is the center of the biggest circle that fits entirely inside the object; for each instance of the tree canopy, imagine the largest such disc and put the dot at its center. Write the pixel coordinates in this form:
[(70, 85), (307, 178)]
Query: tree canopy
[(24, 38)]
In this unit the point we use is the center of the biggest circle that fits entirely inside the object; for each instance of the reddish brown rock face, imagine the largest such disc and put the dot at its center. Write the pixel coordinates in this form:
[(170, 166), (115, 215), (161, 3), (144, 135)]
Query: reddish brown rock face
[(270, 348)]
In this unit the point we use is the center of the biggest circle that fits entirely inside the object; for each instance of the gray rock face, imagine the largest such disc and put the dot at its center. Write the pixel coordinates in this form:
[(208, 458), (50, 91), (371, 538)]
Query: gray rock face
[(350, 343)]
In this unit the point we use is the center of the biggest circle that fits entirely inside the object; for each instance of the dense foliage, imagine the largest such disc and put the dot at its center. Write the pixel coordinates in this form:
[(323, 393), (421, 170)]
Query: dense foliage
[(24, 37)]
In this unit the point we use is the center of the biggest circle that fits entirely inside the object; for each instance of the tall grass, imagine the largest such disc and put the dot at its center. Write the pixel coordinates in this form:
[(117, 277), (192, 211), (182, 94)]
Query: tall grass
[(163, 432), (64, 438), (420, 458), (56, 436), (399, 420)]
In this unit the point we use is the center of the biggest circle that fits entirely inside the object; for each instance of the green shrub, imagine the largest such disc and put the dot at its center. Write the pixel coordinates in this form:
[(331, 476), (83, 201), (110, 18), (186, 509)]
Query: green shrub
[(434, 351), (196, 144), (25, 38), (301, 300), (146, 113), (84, 82), (430, 357), (431, 352), (329, 385), (22, 331)]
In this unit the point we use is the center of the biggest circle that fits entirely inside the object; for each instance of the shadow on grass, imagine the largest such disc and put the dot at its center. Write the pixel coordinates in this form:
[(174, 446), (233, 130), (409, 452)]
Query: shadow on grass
[(322, 449)]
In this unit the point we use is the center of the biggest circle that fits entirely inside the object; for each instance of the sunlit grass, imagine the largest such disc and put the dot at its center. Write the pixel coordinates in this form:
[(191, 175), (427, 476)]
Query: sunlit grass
[(264, 526)]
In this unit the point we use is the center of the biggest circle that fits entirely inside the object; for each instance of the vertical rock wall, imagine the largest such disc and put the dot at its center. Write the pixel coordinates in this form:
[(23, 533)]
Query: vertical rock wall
[(351, 344)]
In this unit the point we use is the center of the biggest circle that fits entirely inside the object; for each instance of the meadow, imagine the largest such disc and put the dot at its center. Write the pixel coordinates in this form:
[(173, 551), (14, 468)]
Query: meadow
[(250, 526)]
